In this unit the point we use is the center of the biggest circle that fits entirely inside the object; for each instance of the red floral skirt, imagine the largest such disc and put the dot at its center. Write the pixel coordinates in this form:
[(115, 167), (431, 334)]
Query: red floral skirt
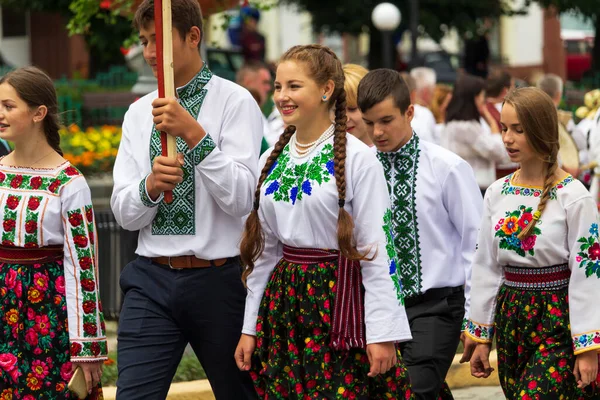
[(293, 357), (535, 354), (34, 348)]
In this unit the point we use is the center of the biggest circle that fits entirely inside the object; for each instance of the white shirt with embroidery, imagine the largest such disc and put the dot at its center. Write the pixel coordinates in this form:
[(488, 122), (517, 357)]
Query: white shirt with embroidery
[(594, 141), (220, 173), (299, 208), (53, 207), (436, 210), (567, 233)]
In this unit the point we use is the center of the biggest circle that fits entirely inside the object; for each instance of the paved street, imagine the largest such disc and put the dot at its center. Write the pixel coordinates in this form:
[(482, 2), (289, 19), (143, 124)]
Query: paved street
[(479, 393)]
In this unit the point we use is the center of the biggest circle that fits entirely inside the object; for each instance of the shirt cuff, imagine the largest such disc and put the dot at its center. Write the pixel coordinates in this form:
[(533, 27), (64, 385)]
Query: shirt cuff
[(89, 351), (586, 342), (480, 332), (201, 150), (464, 324), (146, 200)]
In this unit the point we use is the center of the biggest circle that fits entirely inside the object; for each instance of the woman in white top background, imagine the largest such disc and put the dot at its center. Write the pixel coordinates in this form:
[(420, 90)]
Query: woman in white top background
[(466, 135), (321, 224), (536, 271)]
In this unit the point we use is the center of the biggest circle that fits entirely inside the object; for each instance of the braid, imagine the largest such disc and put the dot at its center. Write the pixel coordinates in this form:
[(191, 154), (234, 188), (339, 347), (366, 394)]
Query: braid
[(345, 225), (548, 185), (253, 238)]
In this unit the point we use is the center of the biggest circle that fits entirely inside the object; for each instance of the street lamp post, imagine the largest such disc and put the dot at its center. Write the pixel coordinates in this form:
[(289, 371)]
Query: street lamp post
[(386, 17)]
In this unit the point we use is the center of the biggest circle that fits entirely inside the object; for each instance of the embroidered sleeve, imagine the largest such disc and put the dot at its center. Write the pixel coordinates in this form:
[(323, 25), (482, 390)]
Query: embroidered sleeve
[(584, 261), (385, 316), (486, 278), (131, 205), (146, 199), (86, 320), (202, 149)]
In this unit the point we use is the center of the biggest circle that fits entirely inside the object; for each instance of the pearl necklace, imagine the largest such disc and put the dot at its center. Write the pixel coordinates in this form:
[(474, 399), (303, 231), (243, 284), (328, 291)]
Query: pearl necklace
[(300, 150)]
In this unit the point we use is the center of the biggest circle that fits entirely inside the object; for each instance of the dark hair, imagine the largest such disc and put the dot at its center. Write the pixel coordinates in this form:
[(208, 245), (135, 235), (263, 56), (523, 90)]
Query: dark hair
[(185, 15), (36, 89), (538, 118), (322, 65), (496, 82), (462, 105), (378, 85)]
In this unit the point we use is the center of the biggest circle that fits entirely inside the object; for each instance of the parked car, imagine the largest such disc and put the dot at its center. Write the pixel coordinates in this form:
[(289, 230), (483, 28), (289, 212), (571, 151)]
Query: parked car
[(443, 63), (224, 62)]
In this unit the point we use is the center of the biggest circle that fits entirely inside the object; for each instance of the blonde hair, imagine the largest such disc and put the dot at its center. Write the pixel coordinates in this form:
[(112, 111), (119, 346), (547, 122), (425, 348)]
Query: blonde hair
[(440, 94), (538, 117), (353, 74)]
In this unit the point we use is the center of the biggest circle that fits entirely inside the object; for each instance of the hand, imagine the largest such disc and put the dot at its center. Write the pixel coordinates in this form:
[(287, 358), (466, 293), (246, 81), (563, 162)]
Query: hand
[(586, 368), (382, 357), (469, 347), (92, 372), (480, 362), (172, 118), (243, 352), (166, 174)]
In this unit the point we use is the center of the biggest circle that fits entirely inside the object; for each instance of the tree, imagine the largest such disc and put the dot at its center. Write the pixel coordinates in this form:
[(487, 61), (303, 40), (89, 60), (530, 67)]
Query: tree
[(589, 9), (436, 17)]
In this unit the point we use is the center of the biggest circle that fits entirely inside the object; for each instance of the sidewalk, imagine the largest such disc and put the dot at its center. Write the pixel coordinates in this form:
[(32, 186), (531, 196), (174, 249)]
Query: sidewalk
[(458, 377)]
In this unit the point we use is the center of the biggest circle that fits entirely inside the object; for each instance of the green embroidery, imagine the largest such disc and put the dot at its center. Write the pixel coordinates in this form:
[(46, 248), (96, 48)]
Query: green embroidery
[(202, 150), (401, 170), (509, 228), (509, 188), (146, 200), (51, 184), (391, 254), (10, 220), (83, 244), (589, 253), (289, 182), (32, 220), (179, 217)]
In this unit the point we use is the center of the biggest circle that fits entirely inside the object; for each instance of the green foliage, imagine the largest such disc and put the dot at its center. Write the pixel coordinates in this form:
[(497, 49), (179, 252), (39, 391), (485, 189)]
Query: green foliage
[(189, 370)]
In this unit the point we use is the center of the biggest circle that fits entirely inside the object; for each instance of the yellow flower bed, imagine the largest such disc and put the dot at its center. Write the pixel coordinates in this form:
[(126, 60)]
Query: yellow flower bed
[(92, 151)]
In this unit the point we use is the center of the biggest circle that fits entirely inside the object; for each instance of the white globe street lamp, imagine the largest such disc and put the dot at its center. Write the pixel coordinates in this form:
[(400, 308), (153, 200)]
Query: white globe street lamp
[(386, 17)]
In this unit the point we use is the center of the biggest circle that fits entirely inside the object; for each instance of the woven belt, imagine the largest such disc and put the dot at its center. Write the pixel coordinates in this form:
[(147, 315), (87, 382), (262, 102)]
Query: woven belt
[(30, 256), (348, 325), (545, 278), (184, 262)]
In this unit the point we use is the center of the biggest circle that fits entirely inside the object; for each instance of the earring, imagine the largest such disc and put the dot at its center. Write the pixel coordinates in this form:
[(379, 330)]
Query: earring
[(324, 98)]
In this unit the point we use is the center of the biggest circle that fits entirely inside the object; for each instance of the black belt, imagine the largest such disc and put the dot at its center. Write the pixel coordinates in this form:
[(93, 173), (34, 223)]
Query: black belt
[(432, 294)]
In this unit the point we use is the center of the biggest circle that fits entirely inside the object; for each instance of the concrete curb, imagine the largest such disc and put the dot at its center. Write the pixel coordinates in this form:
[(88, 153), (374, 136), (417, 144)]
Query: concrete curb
[(459, 376)]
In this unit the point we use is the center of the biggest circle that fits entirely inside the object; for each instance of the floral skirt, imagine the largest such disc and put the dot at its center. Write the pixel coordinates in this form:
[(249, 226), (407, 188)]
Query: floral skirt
[(34, 350), (535, 354), (293, 357)]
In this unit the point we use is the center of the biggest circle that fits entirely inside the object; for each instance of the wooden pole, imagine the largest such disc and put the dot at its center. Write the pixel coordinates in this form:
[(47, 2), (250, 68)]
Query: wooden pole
[(163, 25)]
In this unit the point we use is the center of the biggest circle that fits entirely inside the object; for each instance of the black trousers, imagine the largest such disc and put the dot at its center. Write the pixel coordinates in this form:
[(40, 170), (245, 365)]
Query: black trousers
[(166, 309), (435, 327)]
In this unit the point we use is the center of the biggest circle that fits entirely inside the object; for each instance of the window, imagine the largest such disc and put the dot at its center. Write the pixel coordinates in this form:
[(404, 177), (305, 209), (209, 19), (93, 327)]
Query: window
[(14, 23)]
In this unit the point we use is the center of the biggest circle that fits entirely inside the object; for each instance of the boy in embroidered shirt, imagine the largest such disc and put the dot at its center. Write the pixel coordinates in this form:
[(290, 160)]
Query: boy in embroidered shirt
[(185, 287), (436, 209)]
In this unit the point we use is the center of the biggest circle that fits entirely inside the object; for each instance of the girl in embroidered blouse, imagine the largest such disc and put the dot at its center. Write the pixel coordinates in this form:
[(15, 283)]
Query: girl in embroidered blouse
[(321, 228), (536, 270), (50, 314), (355, 125)]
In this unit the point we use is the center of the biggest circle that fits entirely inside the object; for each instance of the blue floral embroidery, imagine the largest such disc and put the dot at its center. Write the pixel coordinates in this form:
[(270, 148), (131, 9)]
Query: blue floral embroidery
[(289, 182)]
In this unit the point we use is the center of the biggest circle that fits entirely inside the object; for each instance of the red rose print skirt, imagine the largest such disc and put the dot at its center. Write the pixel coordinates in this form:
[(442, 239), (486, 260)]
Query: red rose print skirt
[(293, 357), (535, 354), (34, 348)]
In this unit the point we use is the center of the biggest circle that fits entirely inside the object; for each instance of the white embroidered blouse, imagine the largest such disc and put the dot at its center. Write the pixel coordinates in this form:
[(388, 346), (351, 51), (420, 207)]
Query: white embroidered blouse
[(567, 232), (299, 208), (45, 207)]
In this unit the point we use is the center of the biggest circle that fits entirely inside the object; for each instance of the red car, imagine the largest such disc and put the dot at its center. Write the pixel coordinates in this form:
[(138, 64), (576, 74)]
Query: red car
[(578, 54)]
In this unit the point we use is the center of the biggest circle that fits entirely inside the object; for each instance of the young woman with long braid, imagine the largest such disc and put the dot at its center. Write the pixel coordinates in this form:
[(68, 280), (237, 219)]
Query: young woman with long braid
[(536, 272), (324, 308)]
